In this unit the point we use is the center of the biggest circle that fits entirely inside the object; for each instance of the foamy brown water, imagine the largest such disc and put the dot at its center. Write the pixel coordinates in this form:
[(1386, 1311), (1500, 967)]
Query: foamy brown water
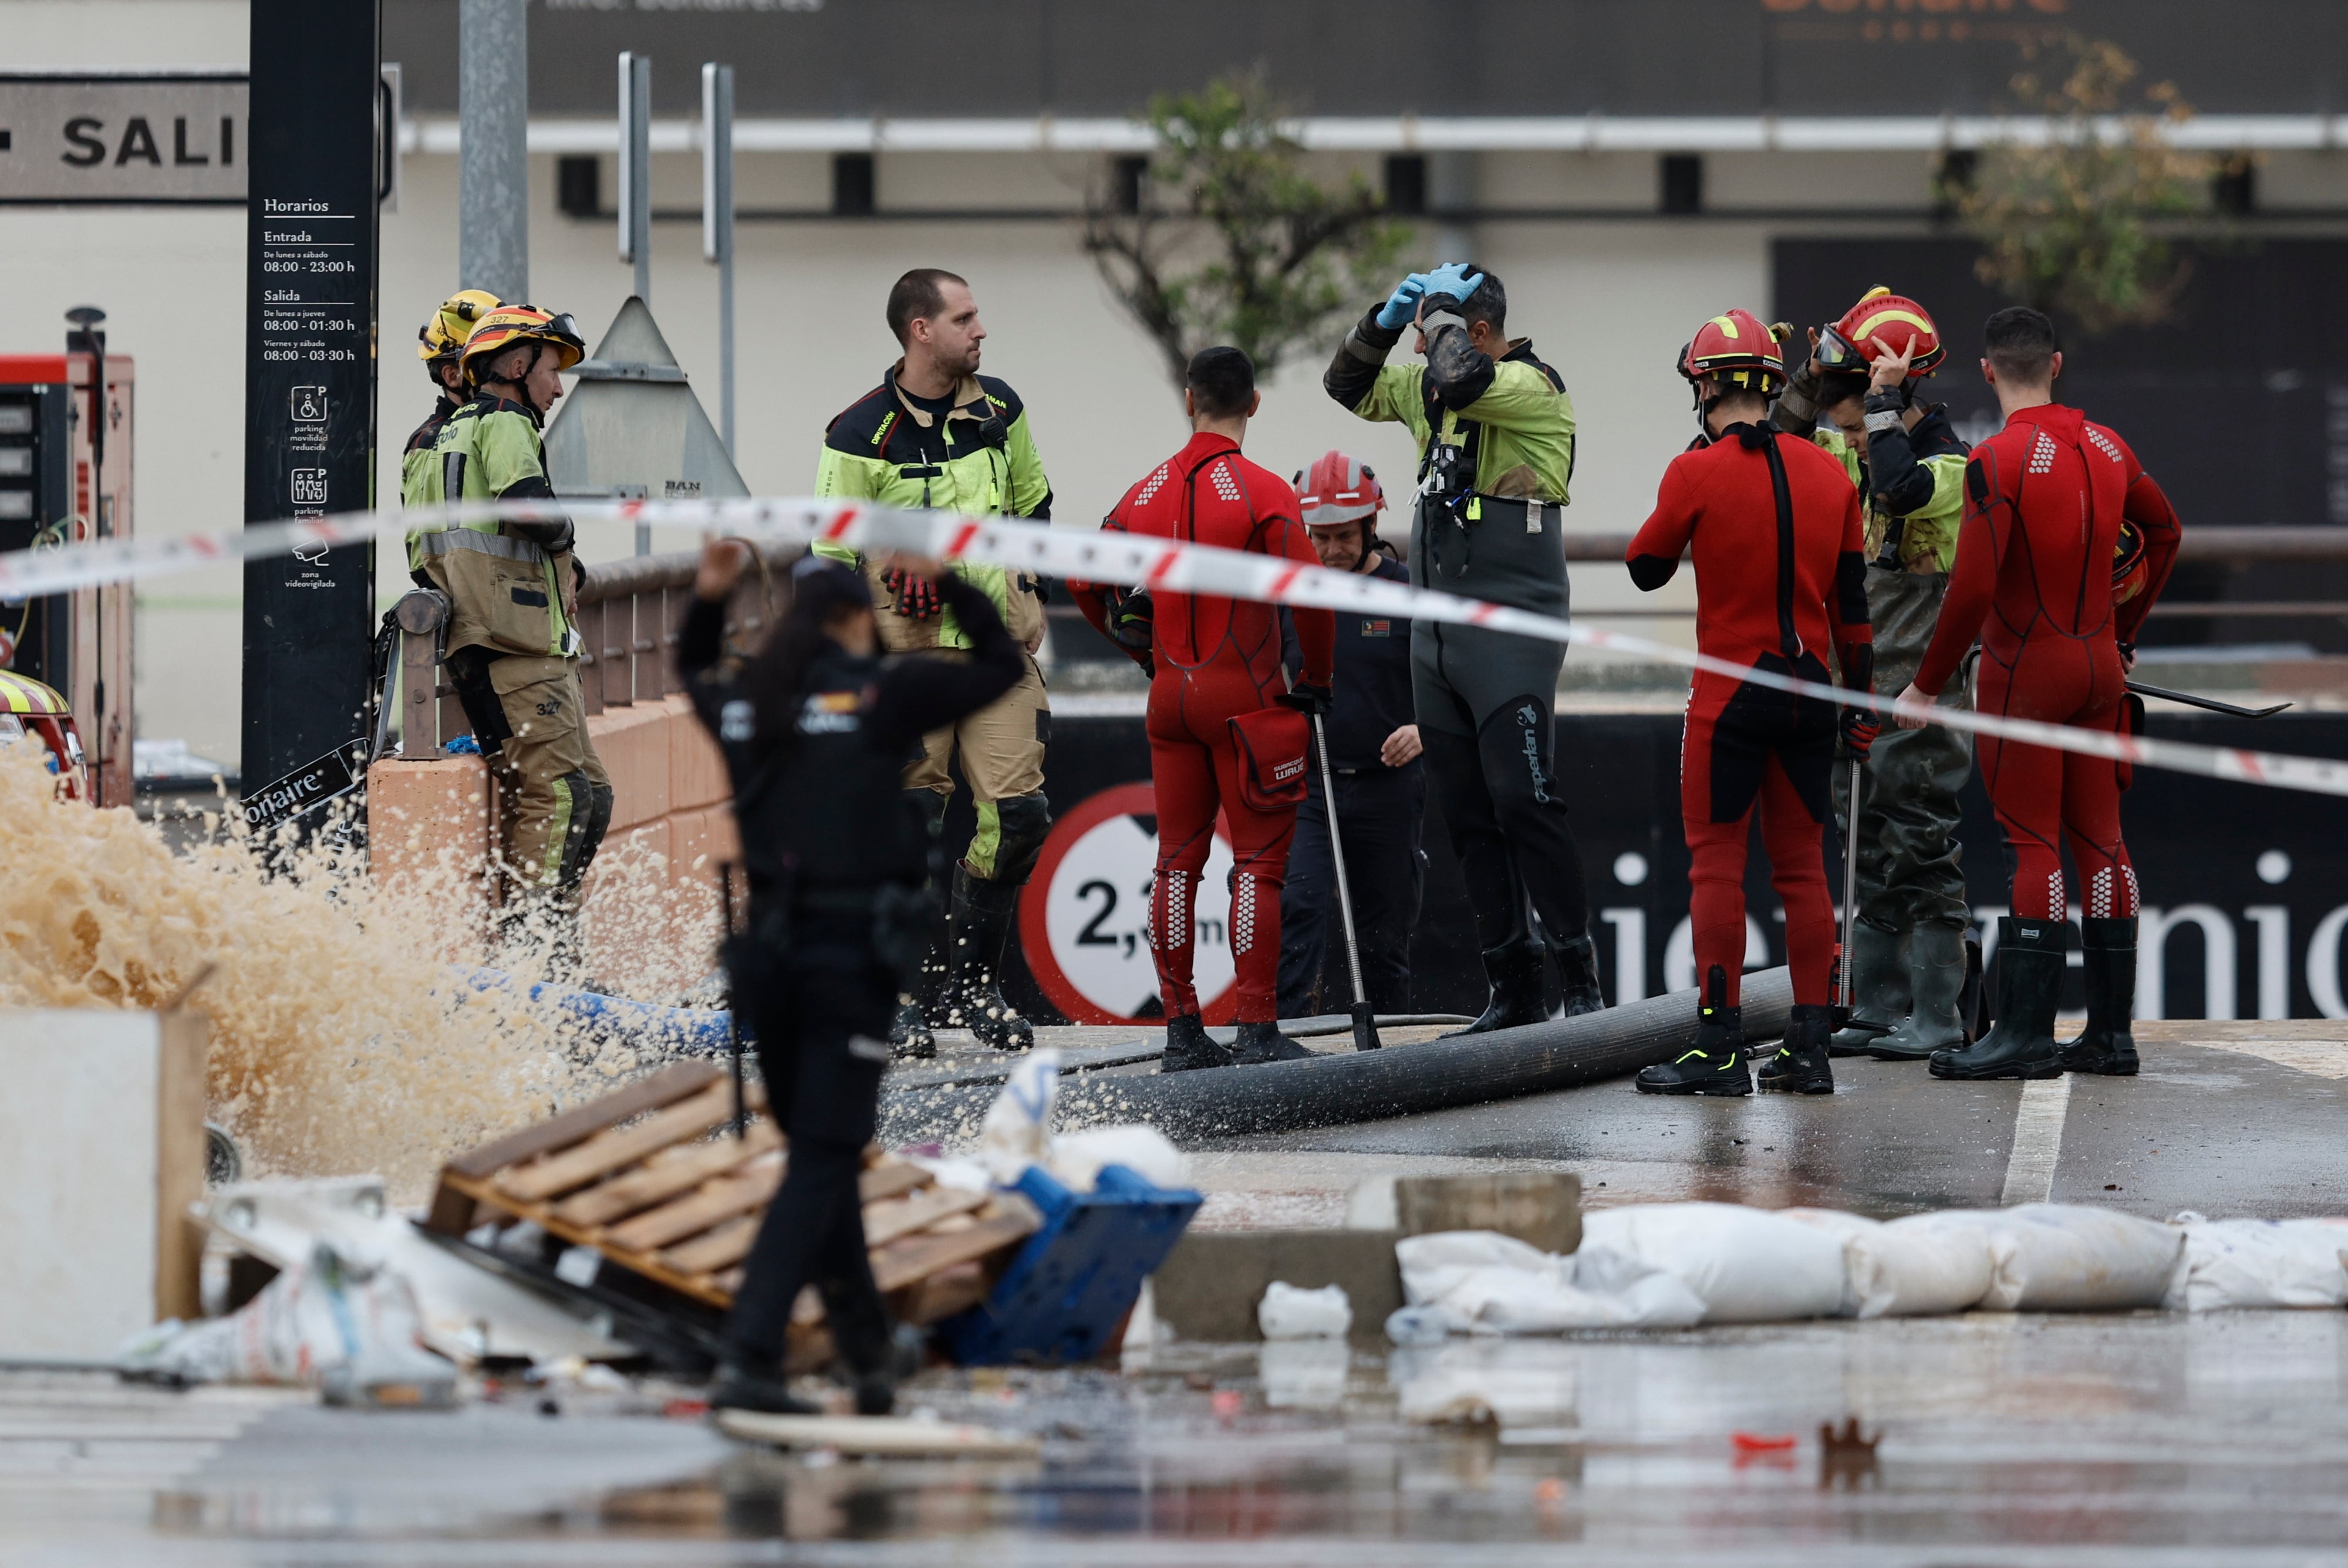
[(341, 1040)]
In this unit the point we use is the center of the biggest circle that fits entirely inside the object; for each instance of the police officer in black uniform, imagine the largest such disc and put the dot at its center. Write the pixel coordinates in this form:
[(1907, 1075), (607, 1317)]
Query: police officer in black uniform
[(1373, 751), (816, 728)]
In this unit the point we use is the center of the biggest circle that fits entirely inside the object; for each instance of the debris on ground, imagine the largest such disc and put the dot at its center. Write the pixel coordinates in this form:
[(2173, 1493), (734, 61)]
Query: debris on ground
[(1287, 1312), (348, 1329)]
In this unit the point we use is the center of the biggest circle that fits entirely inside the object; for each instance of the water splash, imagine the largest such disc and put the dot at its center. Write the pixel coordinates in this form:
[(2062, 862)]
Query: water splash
[(341, 1040)]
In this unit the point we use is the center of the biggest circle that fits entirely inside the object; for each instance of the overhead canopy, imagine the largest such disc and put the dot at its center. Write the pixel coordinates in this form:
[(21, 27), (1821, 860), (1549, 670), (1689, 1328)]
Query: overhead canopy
[(631, 425)]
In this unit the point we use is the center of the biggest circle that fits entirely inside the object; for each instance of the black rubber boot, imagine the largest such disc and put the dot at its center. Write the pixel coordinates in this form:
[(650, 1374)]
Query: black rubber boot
[(1878, 988), (1715, 1064), (981, 922), (1800, 1065), (2108, 1048), (1262, 1042), (1514, 975), (2029, 982), (747, 1385), (1576, 975), (1936, 982), (909, 1032), (1188, 1046)]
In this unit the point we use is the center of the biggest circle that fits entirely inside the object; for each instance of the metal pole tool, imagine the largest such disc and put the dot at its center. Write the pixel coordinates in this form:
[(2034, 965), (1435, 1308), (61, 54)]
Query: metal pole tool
[(2210, 703), (1844, 985), (1366, 1023)]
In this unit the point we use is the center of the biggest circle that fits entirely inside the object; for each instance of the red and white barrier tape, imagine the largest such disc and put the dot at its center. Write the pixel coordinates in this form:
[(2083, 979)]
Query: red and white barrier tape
[(1091, 555)]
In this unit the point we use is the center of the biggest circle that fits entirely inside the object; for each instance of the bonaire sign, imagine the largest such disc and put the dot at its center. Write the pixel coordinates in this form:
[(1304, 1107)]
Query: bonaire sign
[(167, 138)]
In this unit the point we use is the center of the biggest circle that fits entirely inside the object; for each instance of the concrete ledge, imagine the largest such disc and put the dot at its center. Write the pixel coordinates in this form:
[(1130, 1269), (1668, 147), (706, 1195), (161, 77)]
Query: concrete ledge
[(1541, 1208), (1209, 1287)]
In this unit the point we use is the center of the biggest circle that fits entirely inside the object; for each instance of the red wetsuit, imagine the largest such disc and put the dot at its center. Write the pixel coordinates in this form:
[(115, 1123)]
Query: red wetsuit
[(1779, 574), (2044, 499), (1215, 658)]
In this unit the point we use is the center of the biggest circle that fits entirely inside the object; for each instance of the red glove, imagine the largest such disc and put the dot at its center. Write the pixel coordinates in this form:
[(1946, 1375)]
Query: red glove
[(916, 597), (1861, 725)]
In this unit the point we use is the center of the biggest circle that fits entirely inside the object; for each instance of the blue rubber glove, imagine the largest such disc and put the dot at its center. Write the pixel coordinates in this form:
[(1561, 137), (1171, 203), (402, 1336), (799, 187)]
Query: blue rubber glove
[(1397, 312), (1457, 279)]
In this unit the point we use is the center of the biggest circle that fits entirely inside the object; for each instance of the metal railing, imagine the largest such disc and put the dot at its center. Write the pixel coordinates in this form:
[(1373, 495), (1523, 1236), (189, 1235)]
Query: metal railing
[(630, 614)]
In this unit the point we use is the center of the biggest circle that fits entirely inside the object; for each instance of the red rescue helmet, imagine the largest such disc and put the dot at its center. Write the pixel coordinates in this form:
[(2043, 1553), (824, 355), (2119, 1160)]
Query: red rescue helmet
[(1882, 323), (1338, 489), (2129, 566), (1738, 351)]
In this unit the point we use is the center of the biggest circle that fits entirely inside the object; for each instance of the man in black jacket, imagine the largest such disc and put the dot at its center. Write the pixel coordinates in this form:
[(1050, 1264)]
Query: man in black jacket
[(1373, 751)]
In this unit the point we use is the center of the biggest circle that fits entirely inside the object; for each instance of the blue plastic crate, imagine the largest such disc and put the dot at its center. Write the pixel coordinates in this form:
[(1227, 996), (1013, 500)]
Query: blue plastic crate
[(1077, 1277)]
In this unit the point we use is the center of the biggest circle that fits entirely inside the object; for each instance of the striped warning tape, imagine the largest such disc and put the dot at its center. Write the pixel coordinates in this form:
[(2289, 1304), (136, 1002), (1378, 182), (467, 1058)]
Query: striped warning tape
[(1090, 555)]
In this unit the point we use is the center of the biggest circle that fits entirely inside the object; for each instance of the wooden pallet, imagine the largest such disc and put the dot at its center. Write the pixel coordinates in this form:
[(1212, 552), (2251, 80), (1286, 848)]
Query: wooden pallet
[(653, 1178)]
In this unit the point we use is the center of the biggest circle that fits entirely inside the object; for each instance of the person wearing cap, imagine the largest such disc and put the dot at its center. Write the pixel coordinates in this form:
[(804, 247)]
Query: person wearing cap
[(512, 588), (936, 434), (1495, 442), (440, 344), (1374, 753), (1860, 398), (815, 726)]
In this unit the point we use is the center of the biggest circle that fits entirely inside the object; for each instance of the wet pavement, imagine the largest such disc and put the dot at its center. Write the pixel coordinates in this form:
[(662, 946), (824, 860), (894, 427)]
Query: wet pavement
[(1997, 1439)]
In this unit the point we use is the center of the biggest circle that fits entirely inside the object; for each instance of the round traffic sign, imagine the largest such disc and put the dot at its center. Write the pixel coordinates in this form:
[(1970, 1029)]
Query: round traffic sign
[(1083, 916)]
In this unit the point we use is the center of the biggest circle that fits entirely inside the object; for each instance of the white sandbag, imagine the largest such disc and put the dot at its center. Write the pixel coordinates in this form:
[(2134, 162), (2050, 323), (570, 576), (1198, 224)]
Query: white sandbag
[(2260, 1263), (1745, 1264), (1018, 1130), (1076, 1158), (1287, 1312), (2063, 1257), (353, 1332), (1836, 1222), (1480, 1282), (1905, 1270)]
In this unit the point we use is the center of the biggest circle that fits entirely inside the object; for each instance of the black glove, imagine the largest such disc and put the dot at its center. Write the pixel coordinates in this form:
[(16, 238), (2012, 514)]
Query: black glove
[(917, 597), (1861, 725), (1313, 700), (1131, 618)]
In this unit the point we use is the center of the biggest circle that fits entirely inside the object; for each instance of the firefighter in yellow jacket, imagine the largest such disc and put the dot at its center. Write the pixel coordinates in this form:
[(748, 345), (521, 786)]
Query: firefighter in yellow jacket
[(936, 434), (513, 586)]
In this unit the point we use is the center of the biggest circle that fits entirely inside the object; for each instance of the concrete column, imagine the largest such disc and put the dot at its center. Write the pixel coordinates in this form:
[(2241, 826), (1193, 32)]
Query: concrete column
[(493, 173), (1451, 195)]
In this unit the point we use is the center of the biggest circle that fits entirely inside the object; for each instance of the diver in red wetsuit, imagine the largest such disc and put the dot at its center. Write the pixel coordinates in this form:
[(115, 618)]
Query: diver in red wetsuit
[(1212, 659), (1779, 539), (2052, 504)]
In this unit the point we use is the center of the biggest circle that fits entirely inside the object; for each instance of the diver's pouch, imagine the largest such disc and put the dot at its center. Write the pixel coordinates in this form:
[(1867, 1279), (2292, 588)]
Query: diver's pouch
[(499, 587), (1271, 743)]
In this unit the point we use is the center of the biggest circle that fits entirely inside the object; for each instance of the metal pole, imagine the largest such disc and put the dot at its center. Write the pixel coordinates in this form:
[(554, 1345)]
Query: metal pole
[(1845, 985), (717, 224), (635, 168), (493, 157), (1366, 1023)]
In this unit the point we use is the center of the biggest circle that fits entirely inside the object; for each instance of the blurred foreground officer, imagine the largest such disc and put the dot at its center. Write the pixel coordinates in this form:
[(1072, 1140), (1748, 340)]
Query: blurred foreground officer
[(1774, 528), (816, 728), (936, 434), (513, 592), (1495, 433), (1373, 751)]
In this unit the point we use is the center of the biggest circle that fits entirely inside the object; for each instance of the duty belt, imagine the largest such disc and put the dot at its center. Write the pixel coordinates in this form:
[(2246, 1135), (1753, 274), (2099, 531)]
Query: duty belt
[(1466, 515)]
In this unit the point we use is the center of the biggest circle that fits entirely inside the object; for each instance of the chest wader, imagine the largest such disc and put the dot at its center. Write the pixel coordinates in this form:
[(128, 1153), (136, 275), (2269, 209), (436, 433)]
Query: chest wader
[(1485, 702)]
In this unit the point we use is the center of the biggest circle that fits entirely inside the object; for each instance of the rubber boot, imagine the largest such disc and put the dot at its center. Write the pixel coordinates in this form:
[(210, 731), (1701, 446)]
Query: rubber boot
[(981, 922), (2108, 1048), (868, 1350), (1577, 976), (1936, 984), (909, 1036), (1514, 976), (1878, 988), (1188, 1046), (1800, 1065), (757, 1385), (2029, 982), (1262, 1042), (1714, 1063)]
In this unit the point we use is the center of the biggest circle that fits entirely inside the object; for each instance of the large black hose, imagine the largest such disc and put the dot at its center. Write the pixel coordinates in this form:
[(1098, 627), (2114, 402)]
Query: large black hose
[(1360, 1086)]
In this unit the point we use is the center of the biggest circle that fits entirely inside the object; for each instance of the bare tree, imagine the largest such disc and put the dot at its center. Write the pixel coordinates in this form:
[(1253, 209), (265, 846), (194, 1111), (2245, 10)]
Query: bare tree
[(1250, 250), (2074, 222)]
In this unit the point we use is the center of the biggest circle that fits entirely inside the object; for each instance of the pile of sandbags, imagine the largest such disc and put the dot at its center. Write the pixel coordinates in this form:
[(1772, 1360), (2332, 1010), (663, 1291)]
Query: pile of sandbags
[(1662, 1266)]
